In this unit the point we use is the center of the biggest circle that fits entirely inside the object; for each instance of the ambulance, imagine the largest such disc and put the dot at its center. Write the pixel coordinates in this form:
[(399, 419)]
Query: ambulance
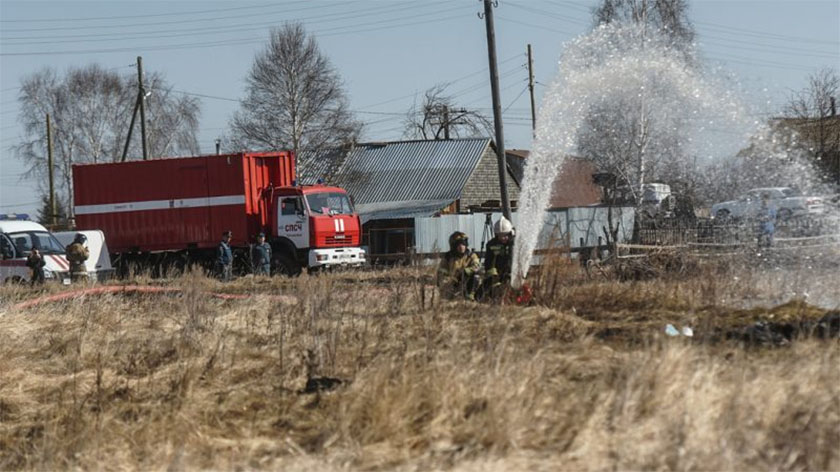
[(18, 236)]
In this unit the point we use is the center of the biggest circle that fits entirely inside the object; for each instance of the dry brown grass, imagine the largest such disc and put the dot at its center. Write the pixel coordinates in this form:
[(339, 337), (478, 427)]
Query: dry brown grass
[(584, 381)]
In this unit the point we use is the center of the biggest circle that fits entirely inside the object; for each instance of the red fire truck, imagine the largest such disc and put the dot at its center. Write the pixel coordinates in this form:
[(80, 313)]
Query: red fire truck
[(173, 211)]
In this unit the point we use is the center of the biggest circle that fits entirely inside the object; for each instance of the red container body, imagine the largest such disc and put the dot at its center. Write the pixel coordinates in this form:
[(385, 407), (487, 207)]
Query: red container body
[(179, 203)]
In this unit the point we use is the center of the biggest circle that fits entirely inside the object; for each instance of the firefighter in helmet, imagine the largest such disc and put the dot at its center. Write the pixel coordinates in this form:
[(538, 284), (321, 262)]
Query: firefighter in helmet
[(498, 259), (457, 275), (77, 254)]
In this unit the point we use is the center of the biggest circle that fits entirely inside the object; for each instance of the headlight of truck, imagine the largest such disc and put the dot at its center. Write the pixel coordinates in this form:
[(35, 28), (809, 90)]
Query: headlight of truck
[(48, 274)]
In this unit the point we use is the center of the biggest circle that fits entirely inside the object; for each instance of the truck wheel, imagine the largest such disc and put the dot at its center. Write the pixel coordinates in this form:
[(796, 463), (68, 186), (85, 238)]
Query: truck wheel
[(282, 264), (722, 217)]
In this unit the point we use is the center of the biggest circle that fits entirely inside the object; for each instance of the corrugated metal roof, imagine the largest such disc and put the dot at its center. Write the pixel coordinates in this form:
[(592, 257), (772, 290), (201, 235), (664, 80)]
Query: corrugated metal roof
[(318, 164), (398, 210), (411, 170)]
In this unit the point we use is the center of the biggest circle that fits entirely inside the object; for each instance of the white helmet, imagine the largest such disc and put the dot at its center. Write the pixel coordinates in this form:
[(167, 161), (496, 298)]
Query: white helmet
[(502, 226)]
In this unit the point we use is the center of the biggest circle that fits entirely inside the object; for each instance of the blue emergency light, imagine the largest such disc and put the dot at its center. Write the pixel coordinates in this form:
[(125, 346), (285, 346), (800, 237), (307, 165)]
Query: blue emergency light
[(14, 217)]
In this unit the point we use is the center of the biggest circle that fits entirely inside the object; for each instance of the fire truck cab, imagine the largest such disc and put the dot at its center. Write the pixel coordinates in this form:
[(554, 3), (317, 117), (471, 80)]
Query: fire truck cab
[(18, 237), (315, 226)]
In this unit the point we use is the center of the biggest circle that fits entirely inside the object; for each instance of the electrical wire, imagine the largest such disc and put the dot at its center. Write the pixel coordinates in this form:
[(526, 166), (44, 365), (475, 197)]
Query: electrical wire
[(459, 79), (167, 33), (153, 15), (229, 42), (515, 99)]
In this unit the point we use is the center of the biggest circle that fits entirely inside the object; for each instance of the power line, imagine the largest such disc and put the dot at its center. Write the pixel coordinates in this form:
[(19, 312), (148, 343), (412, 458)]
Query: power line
[(722, 28), (238, 41), (214, 97), (523, 23), (779, 37), (760, 63), (727, 42), (155, 15), (158, 23), (576, 21), (167, 33), (483, 70), (515, 99)]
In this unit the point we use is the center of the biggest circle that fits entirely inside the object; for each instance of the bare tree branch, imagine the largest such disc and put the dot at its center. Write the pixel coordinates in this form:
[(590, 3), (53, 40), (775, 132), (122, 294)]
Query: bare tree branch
[(295, 100), (438, 115), (91, 108)]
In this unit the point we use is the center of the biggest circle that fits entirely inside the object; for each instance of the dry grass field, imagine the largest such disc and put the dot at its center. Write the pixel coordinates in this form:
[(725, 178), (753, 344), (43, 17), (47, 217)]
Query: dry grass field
[(372, 371)]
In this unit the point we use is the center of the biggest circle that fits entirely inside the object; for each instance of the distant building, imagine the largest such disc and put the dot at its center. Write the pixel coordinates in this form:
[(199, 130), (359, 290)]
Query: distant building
[(821, 136), (573, 187)]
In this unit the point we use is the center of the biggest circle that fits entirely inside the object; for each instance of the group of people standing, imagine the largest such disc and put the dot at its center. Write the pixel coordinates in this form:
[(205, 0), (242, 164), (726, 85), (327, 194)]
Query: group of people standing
[(460, 271), (260, 257), (77, 254)]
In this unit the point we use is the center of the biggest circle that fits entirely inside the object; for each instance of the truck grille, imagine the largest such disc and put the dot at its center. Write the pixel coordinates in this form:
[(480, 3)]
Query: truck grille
[(338, 242)]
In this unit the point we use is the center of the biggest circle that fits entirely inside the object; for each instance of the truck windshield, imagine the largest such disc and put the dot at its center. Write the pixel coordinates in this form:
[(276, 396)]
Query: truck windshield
[(45, 242), (329, 203)]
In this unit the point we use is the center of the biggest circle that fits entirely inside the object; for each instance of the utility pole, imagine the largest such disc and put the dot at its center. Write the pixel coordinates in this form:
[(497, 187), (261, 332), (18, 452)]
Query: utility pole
[(497, 105), (51, 172), (531, 89), (441, 116), (142, 100), (138, 105), (130, 128), (446, 122)]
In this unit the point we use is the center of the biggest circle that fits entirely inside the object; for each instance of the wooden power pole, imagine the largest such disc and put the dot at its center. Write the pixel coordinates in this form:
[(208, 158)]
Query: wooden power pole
[(142, 101), (497, 106), (531, 89), (51, 172), (138, 105)]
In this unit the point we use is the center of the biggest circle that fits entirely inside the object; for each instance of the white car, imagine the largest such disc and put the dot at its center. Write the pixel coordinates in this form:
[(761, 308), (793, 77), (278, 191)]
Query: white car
[(788, 202), (17, 238)]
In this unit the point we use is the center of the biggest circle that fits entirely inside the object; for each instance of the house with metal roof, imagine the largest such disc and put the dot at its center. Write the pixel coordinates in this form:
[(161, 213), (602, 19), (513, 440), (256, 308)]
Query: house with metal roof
[(395, 179), (393, 182)]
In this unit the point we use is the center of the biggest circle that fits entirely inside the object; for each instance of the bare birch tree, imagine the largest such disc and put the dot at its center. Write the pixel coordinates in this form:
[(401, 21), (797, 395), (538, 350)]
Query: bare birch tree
[(294, 100), (91, 108), (668, 17), (627, 136)]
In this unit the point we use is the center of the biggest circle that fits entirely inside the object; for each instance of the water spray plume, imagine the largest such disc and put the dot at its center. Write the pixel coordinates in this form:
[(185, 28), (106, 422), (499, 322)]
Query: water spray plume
[(637, 103)]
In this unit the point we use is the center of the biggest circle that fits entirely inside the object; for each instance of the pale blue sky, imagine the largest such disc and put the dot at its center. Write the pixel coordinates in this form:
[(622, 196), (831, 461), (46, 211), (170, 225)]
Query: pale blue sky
[(387, 52)]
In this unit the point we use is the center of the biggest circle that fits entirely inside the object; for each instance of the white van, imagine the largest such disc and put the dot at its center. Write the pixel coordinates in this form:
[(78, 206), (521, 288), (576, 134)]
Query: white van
[(98, 264), (17, 238)]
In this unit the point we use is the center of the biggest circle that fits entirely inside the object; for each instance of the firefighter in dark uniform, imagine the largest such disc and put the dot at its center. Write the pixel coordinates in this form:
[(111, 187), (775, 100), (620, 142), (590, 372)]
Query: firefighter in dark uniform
[(498, 260), (224, 257), (261, 256), (36, 263), (457, 275), (77, 254)]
